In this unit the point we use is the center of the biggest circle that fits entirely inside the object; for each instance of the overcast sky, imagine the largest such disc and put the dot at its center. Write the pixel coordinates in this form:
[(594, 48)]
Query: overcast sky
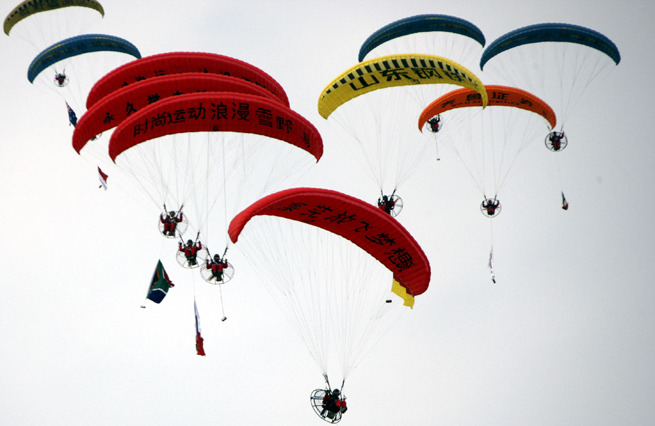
[(564, 338)]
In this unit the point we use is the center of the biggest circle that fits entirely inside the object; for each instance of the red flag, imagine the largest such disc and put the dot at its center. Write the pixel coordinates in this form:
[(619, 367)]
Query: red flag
[(200, 350), (103, 178)]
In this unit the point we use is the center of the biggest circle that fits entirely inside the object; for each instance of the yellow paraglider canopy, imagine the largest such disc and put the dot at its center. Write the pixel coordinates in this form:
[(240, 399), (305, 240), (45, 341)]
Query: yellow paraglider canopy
[(30, 7), (392, 71)]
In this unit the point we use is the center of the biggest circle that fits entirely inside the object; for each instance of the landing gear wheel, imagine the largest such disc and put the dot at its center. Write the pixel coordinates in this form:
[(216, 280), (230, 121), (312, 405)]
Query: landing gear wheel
[(316, 399), (207, 275), (180, 228), (181, 258), (556, 141)]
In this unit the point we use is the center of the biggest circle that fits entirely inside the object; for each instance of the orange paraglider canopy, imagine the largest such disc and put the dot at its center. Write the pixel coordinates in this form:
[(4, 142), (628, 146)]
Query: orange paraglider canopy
[(498, 96)]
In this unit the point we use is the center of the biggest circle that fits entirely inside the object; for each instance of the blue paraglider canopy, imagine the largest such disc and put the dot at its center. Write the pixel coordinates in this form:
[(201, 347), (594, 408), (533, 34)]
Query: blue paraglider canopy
[(420, 24), (79, 45), (566, 33)]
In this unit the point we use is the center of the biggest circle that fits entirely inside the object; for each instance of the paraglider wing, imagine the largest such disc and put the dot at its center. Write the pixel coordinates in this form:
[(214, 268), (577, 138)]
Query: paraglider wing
[(551, 33), (216, 112), (30, 7), (498, 96), (178, 63), (393, 71), (116, 107), (417, 24), (79, 45), (364, 225)]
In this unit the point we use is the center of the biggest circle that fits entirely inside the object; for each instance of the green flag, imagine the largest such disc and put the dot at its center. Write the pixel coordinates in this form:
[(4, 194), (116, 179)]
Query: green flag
[(159, 285)]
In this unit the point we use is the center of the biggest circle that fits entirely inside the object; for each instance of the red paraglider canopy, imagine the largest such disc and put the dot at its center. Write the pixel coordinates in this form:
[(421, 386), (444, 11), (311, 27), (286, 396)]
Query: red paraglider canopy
[(364, 225), (216, 112), (113, 109), (179, 63)]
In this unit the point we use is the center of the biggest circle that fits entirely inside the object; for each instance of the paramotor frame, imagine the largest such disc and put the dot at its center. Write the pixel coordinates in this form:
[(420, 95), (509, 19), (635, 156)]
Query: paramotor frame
[(317, 398), (180, 228), (207, 275), (556, 141), (183, 261)]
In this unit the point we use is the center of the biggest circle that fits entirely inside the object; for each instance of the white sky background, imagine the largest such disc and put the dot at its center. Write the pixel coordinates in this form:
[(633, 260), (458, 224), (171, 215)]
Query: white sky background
[(565, 337)]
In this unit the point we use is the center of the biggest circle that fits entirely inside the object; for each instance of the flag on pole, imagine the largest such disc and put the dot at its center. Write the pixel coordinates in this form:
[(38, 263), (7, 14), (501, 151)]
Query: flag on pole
[(159, 284), (103, 179), (200, 350), (71, 115), (491, 264)]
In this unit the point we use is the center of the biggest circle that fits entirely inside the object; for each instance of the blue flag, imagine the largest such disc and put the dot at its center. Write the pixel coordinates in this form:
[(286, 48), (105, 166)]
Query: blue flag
[(71, 115)]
